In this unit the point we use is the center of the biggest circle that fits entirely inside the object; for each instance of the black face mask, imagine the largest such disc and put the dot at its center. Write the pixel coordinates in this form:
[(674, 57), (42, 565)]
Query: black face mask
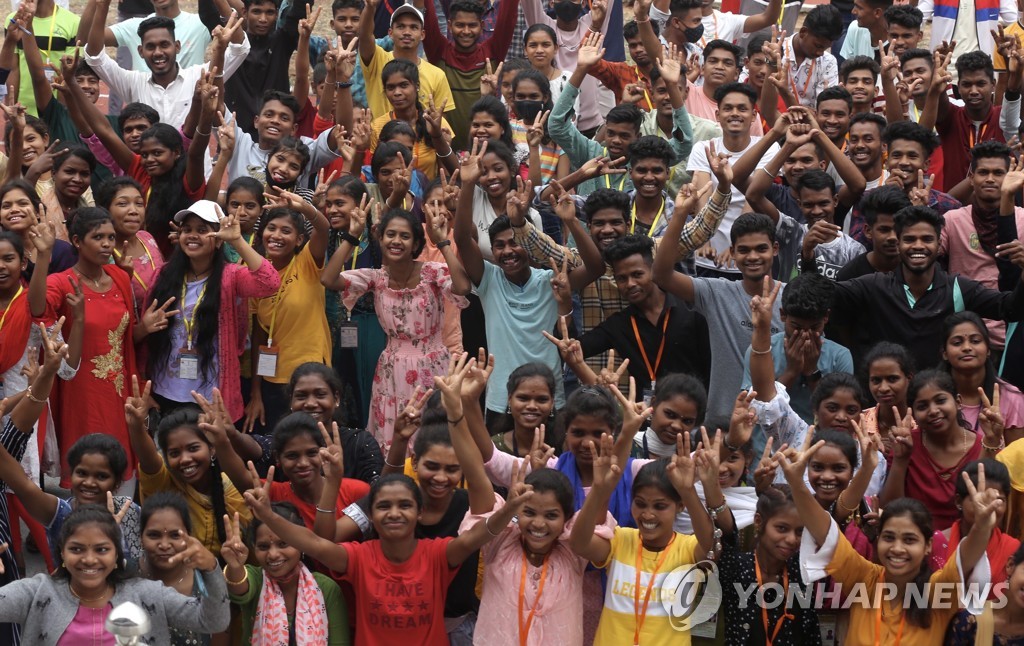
[(694, 34), (528, 110), (567, 10)]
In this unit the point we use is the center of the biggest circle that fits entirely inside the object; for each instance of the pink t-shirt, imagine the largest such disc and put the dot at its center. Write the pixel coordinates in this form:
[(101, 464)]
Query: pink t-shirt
[(698, 104), (88, 627), (959, 243), (1011, 404)]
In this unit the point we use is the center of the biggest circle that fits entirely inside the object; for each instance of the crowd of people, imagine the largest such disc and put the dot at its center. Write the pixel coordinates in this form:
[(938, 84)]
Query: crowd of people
[(479, 321)]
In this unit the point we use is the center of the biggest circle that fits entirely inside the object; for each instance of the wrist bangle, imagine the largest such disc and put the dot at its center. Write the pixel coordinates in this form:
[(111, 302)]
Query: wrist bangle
[(487, 526), (638, 20), (768, 173), (245, 576), (393, 466), (455, 422), (443, 244), (324, 511), (760, 352), (714, 511), (204, 134), (349, 238), (849, 510), (447, 154), (33, 398), (994, 449)]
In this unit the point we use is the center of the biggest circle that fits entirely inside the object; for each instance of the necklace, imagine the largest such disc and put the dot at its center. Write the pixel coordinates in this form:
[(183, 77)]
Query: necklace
[(83, 599), (94, 281)]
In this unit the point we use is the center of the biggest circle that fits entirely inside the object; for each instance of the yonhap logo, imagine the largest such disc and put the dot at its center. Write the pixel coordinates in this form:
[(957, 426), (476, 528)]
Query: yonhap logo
[(692, 594)]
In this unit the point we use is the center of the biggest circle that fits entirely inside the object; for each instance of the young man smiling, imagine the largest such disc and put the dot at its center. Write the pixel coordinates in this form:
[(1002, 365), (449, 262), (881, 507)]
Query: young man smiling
[(862, 38), (909, 147), (909, 306), (973, 233), (407, 32), (978, 120), (878, 208), (903, 23), (865, 147), (166, 86)]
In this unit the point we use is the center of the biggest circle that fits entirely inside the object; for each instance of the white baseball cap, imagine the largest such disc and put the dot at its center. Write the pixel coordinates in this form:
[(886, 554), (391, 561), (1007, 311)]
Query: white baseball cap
[(406, 8), (205, 209)]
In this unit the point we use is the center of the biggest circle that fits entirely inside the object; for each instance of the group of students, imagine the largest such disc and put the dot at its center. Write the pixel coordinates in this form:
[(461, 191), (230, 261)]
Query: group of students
[(435, 344)]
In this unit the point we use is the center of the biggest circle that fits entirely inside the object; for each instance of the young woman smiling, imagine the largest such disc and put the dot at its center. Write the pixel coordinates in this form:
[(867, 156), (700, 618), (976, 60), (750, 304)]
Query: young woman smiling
[(122, 197), (409, 297), (20, 210), (71, 605), (199, 349), (72, 177), (889, 369), (110, 328), (291, 324)]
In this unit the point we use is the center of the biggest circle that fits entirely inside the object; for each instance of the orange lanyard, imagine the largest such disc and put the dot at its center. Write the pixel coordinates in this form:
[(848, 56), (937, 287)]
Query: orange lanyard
[(524, 627), (661, 348), (640, 613), (3, 318), (764, 607), (878, 618), (981, 134), (807, 83), (704, 38)]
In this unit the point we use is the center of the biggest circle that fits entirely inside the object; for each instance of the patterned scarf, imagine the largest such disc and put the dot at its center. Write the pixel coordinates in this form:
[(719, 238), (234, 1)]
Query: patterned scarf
[(270, 625)]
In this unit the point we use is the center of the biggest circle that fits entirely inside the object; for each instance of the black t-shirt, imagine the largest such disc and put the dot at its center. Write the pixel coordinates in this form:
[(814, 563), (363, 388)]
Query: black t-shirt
[(859, 266), (135, 7)]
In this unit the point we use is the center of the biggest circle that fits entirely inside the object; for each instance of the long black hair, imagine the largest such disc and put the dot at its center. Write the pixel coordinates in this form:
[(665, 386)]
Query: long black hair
[(409, 70), (166, 195), (205, 318)]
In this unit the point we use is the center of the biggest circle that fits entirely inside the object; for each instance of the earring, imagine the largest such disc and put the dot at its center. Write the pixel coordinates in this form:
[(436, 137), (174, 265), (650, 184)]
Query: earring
[(508, 410)]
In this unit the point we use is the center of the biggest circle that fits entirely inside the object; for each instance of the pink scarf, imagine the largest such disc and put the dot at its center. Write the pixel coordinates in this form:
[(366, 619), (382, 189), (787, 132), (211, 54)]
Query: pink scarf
[(270, 625)]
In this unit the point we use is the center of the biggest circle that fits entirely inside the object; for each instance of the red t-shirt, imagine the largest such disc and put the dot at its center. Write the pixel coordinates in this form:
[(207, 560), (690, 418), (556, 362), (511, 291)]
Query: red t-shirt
[(400, 603), (139, 174), (933, 486), (958, 135), (351, 490)]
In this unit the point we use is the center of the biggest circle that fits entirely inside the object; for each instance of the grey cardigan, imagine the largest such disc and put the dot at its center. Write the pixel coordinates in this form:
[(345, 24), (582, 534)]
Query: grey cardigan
[(45, 607)]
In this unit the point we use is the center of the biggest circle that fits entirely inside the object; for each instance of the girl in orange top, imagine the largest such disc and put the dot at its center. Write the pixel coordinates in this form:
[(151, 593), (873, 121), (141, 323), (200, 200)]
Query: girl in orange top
[(881, 615)]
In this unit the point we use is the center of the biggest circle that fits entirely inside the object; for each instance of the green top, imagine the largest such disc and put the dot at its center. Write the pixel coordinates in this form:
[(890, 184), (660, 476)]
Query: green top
[(337, 611)]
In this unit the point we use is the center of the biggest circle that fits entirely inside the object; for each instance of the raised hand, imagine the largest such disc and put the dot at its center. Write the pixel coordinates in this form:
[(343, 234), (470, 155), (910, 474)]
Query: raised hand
[(764, 475), (470, 169), (136, 407), (920, 194), (323, 183), (761, 307), (258, 498), (603, 166), (743, 416), (689, 197), (475, 381), (118, 514), (540, 453), (408, 421), (438, 225), (870, 446), (941, 76), (360, 138), (195, 555), (332, 456), (590, 50), (156, 318), (490, 80), (564, 344), (633, 93), (903, 441), (560, 281), (517, 205), (520, 492), (432, 116), (1012, 252), (535, 135), (634, 413), (234, 551), (708, 457), (720, 166), (450, 189), (307, 24), (990, 418), (987, 503), (794, 463), (55, 349), (360, 216), (681, 469), (222, 34), (15, 115), (606, 465), (669, 64)]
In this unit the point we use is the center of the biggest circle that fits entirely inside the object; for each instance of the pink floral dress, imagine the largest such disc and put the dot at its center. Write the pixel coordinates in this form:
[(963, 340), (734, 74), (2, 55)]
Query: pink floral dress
[(412, 319)]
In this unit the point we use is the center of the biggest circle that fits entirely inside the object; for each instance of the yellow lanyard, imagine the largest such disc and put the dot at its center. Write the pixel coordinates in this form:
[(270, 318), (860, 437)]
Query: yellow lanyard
[(657, 218), (53, 23), (3, 318), (135, 274), (190, 322), (355, 256), (643, 84), (252, 236), (608, 178), (277, 303)]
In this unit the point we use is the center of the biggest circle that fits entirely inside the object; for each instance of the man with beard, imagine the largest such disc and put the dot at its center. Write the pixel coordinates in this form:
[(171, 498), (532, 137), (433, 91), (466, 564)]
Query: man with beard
[(909, 306), (978, 120), (879, 206), (909, 147), (973, 233), (166, 86)]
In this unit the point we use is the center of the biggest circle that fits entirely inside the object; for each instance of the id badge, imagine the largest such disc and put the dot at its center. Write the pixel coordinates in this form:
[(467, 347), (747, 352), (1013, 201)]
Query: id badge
[(266, 364), (188, 364), (649, 395), (349, 335), (50, 74)]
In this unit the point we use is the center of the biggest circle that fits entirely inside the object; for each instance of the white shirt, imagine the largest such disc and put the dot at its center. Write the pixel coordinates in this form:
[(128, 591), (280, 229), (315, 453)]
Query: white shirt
[(812, 76), (249, 160), (189, 30), (699, 162), (171, 102)]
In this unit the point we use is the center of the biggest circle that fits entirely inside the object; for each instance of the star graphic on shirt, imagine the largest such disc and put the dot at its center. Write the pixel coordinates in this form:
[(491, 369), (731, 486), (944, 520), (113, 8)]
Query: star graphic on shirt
[(424, 606), (408, 605), (376, 605), (393, 607)]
